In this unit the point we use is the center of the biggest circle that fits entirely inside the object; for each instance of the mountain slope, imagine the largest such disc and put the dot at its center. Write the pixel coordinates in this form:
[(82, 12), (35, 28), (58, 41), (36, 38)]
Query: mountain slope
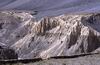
[(64, 35), (52, 7)]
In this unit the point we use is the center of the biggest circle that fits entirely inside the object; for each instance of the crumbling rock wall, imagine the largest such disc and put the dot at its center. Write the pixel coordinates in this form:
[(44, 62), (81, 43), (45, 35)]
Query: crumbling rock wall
[(45, 24)]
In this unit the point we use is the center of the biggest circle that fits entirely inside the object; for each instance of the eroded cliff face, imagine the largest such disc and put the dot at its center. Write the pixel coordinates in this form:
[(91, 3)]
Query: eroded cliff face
[(63, 35)]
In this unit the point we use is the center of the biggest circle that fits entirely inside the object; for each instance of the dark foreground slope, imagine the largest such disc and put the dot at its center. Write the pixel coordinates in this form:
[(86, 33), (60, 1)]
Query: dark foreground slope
[(65, 60)]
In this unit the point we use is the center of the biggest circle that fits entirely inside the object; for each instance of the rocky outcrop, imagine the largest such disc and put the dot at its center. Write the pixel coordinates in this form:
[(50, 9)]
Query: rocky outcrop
[(64, 35), (7, 53), (45, 25)]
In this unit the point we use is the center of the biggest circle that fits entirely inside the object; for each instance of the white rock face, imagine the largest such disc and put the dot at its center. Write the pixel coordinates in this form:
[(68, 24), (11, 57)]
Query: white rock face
[(64, 35)]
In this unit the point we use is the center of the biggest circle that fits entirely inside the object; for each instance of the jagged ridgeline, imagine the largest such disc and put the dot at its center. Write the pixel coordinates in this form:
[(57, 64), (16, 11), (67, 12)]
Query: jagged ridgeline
[(23, 37)]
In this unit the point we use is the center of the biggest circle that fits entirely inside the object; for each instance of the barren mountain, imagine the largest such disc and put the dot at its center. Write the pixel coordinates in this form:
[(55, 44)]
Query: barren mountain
[(64, 35)]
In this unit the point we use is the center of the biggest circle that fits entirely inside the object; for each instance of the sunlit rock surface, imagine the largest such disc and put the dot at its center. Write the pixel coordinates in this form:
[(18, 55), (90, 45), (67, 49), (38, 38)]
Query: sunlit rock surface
[(64, 35)]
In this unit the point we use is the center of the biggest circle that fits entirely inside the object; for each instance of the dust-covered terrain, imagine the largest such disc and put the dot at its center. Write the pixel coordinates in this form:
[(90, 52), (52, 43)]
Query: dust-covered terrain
[(82, 60)]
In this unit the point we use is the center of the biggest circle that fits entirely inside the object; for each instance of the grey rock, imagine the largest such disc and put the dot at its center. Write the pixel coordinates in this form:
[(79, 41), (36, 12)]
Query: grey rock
[(64, 35), (7, 53)]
